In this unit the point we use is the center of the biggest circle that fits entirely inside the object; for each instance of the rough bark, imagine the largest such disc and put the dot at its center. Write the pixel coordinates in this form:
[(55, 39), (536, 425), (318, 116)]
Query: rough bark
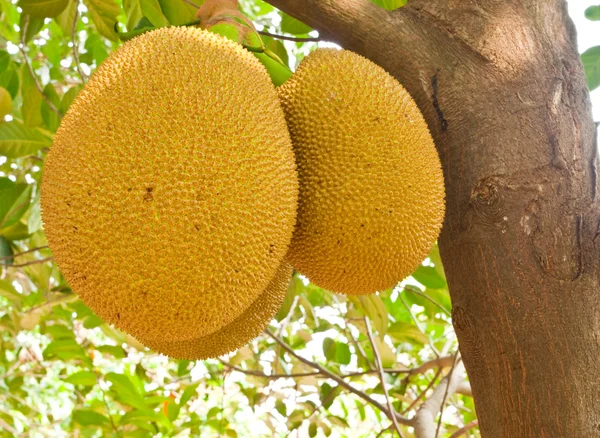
[(502, 88)]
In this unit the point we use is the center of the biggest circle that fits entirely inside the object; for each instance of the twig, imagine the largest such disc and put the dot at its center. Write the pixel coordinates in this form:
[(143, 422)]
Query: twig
[(8, 427), (112, 421), (422, 393), (439, 425), (31, 72), (192, 4), (267, 376), (33, 262), (288, 38), (288, 317), (75, 45), (379, 366), (24, 252), (467, 427), (336, 378), (384, 430), (437, 354), (416, 291)]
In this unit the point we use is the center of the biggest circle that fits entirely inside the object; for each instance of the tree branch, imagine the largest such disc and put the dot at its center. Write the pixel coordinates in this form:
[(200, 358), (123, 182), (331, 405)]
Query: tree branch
[(32, 262), (19, 254), (424, 420), (392, 412), (75, 45), (467, 427), (289, 38), (337, 379)]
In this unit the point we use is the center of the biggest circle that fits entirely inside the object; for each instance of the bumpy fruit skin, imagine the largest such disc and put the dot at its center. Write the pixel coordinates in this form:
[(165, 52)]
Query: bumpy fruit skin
[(236, 334), (169, 195), (371, 186)]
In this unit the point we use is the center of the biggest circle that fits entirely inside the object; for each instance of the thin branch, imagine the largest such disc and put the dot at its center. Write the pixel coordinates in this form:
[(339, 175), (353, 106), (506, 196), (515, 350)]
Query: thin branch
[(24, 252), (379, 366), (32, 262), (288, 317), (75, 45), (437, 354), (467, 427), (416, 291), (289, 38), (192, 4), (422, 393), (439, 425), (112, 421), (266, 376), (424, 420), (32, 73), (8, 427), (384, 430), (336, 378)]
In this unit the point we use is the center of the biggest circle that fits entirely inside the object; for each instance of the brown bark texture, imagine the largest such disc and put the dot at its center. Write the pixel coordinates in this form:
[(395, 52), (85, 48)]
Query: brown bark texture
[(502, 88)]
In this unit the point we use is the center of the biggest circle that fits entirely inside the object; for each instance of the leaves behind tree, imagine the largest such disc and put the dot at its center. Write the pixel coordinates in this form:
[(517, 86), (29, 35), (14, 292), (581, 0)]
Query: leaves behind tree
[(65, 372)]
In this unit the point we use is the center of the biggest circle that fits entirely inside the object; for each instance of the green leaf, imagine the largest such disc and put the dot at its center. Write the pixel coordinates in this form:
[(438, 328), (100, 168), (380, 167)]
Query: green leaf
[(30, 26), (59, 331), (188, 393), (32, 100), (429, 277), (386, 354), (95, 50), (43, 8), (6, 104), (104, 15), (14, 202), (372, 307), (593, 13), (68, 98), (406, 332), (125, 391), (113, 350), (290, 25), (591, 65), (342, 353), (390, 5), (66, 18), (178, 12), (87, 417), (9, 79), (34, 221), (93, 321), (82, 378), (136, 9), (8, 291), (329, 348), (4, 60), (64, 349), (50, 117), (17, 140)]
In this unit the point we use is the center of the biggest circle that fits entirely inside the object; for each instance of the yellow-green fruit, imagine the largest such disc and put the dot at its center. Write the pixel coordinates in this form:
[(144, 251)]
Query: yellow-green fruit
[(239, 332), (169, 195), (371, 186)]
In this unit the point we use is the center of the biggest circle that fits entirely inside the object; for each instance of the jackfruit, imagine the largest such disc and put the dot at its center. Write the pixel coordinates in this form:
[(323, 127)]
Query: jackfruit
[(371, 200), (236, 334), (169, 195)]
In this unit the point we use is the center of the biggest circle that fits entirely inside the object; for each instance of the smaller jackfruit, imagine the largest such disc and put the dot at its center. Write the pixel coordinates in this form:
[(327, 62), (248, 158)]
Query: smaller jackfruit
[(236, 334), (371, 201)]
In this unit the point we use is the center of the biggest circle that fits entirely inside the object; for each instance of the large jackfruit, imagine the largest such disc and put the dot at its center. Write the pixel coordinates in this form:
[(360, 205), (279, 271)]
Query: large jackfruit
[(169, 195), (236, 334), (371, 186)]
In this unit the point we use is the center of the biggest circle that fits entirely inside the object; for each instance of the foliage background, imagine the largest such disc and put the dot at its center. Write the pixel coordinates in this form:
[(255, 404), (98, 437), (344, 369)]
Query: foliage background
[(63, 372)]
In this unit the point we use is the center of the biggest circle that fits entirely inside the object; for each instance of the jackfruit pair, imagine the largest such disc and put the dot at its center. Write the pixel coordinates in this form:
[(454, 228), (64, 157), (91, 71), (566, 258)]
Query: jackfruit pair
[(173, 197)]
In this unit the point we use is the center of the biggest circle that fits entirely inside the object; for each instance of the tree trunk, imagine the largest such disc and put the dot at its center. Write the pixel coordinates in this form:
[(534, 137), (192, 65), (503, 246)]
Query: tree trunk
[(502, 88)]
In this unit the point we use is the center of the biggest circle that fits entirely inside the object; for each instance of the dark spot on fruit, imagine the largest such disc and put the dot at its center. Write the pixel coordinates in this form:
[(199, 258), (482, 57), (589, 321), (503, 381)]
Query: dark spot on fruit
[(89, 193), (197, 227), (75, 228), (129, 189)]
